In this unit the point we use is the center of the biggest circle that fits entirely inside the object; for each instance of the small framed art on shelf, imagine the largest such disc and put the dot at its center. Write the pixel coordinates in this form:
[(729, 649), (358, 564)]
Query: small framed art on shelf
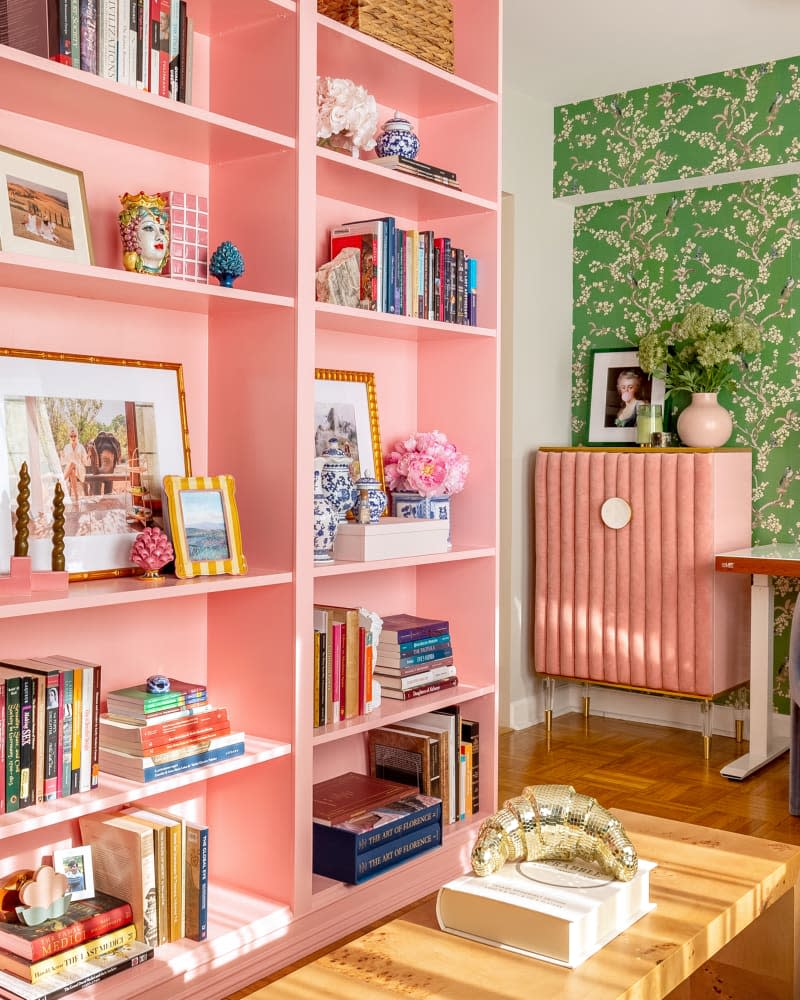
[(618, 387), (204, 525), (346, 408), (76, 864), (43, 209)]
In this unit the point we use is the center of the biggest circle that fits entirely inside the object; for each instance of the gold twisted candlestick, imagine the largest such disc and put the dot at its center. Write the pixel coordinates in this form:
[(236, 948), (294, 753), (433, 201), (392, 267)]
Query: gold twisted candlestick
[(57, 563), (23, 511)]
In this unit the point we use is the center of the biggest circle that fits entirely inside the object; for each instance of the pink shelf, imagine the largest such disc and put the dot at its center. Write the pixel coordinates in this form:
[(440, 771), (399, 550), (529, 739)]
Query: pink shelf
[(387, 72), (73, 99), (38, 274), (391, 711), (214, 18), (455, 554), (346, 179), (114, 792), (345, 320), (128, 590)]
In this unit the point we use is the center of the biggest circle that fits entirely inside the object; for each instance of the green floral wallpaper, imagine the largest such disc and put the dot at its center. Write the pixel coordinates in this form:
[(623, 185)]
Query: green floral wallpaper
[(640, 261), (734, 120)]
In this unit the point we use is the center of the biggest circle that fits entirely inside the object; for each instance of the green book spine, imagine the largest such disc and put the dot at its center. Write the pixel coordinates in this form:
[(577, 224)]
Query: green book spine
[(13, 694)]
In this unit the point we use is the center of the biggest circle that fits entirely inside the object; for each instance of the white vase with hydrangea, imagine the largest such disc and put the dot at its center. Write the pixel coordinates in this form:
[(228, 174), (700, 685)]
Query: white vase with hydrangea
[(701, 353), (347, 115), (422, 472)]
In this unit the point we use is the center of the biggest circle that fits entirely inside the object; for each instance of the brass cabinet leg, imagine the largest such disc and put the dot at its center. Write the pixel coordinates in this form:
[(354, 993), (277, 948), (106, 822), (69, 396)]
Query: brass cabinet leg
[(705, 721), (586, 699), (549, 689)]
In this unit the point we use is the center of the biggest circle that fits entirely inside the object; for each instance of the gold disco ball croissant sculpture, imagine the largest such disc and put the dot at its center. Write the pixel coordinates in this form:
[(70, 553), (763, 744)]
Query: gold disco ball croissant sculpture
[(554, 823)]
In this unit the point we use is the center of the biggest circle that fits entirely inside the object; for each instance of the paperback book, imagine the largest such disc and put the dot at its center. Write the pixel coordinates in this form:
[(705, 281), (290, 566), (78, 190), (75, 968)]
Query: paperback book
[(176, 761), (561, 912), (35, 971)]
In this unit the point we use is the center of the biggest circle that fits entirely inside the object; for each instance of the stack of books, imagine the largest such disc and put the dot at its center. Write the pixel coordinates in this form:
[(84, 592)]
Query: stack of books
[(416, 168), (49, 733), (148, 735), (96, 938), (415, 657), (165, 875), (363, 826)]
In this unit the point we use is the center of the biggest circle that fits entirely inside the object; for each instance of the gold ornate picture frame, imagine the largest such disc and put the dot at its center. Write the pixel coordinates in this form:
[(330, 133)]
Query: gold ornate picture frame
[(43, 209), (204, 526), (107, 430), (346, 408)]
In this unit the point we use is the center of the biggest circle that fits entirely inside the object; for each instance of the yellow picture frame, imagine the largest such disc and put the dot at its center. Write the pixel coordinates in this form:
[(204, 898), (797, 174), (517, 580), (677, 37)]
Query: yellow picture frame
[(204, 526)]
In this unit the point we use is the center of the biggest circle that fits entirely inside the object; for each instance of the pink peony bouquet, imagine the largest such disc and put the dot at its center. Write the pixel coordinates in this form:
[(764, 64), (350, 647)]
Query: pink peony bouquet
[(426, 463)]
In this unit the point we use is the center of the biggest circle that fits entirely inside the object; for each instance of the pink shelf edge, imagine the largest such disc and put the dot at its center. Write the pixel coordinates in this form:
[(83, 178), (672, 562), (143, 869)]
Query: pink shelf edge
[(456, 554), (345, 317)]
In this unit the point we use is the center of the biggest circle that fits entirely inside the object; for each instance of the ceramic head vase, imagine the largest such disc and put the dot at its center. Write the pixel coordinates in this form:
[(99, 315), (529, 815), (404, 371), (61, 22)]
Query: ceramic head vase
[(144, 228)]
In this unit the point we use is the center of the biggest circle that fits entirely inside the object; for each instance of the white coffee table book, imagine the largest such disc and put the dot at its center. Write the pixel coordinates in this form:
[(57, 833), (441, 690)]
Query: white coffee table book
[(560, 912)]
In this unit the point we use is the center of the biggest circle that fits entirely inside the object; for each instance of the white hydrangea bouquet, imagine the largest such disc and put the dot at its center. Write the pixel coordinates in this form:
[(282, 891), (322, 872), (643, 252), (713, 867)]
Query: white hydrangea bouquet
[(347, 116)]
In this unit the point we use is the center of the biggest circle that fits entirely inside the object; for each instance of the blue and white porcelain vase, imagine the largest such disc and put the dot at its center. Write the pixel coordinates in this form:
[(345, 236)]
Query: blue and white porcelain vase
[(336, 482), (326, 518), (397, 138), (406, 503), (370, 488)]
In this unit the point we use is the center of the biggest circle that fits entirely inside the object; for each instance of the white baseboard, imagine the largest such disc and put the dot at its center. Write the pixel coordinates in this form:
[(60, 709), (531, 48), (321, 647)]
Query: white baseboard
[(634, 707)]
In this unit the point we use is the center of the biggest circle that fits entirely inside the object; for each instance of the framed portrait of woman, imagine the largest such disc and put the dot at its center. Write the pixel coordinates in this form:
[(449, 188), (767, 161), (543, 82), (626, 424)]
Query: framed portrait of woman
[(617, 387)]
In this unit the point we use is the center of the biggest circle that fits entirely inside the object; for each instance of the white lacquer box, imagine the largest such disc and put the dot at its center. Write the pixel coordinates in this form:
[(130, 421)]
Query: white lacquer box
[(390, 538)]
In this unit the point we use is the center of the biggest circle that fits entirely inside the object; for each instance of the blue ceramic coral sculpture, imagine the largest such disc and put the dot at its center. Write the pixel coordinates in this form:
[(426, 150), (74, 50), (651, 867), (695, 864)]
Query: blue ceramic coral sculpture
[(226, 264)]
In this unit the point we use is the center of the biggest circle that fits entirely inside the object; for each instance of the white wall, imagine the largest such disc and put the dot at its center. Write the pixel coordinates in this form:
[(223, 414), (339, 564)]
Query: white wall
[(536, 377)]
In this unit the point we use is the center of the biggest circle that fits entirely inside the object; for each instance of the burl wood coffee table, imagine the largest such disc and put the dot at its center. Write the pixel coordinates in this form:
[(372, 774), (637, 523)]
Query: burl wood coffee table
[(725, 925)]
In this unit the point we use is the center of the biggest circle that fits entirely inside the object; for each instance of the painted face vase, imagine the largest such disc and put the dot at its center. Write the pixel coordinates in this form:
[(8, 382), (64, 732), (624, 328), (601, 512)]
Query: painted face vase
[(144, 229)]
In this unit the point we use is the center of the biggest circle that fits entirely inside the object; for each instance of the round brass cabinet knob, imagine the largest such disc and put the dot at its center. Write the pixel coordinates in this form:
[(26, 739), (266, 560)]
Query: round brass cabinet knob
[(615, 513)]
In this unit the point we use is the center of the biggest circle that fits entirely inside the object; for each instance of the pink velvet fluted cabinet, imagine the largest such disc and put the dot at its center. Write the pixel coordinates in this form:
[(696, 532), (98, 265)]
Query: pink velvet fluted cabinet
[(640, 606)]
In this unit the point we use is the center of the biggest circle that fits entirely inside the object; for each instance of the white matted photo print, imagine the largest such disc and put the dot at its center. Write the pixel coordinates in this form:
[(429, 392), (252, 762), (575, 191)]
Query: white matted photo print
[(76, 864), (618, 385)]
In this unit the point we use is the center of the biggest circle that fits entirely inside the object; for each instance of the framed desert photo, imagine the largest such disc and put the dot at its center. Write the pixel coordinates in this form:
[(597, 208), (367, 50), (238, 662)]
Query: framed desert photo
[(76, 864), (107, 430), (617, 387), (346, 408), (43, 209), (204, 525)]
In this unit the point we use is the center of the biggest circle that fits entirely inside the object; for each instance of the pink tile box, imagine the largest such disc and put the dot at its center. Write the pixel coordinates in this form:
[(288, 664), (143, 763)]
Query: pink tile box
[(188, 227)]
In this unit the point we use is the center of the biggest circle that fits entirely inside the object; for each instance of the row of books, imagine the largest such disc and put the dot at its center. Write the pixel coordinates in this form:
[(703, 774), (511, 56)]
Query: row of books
[(363, 826), (360, 658), (144, 43), (414, 657), (49, 729), (439, 751), (164, 876), (411, 272), (147, 735)]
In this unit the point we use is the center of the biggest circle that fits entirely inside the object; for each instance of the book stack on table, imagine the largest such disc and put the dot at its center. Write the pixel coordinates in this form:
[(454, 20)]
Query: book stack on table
[(363, 826), (415, 657), (94, 939), (149, 735)]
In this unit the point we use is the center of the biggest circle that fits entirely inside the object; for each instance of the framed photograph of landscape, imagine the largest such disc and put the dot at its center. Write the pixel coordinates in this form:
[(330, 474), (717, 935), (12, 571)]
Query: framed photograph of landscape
[(76, 864), (617, 384), (203, 523), (43, 209), (346, 409), (106, 430)]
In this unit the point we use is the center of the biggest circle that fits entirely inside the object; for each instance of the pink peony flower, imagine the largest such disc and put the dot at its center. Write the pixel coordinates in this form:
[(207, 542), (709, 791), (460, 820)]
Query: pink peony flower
[(426, 463)]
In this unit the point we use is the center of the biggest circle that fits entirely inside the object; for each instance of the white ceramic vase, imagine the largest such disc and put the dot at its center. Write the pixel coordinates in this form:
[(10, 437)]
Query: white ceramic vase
[(704, 423)]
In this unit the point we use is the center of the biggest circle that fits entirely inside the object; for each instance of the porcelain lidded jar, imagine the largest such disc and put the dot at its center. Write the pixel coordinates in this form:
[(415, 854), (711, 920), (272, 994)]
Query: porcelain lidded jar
[(326, 518), (336, 482), (397, 138), (369, 487)]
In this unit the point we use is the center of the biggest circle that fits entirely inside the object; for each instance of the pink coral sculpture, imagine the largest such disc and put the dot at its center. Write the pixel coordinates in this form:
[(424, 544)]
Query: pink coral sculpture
[(151, 550)]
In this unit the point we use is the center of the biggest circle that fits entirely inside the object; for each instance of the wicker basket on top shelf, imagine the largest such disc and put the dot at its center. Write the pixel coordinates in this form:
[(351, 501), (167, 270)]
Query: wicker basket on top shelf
[(423, 28)]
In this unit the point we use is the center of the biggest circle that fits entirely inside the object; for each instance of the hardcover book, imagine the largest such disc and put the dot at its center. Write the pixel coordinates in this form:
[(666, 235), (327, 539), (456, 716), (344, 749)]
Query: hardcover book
[(31, 25), (84, 920), (35, 971), (349, 795), (360, 867), (61, 984), (186, 758), (420, 691), (407, 628), (398, 754), (161, 736), (196, 881), (370, 830), (560, 912)]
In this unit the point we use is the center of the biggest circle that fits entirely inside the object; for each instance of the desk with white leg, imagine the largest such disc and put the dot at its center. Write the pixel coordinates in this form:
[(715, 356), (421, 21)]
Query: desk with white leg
[(764, 562)]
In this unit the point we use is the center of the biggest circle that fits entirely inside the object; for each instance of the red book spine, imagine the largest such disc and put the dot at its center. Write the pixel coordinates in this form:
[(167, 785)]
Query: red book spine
[(362, 670), (418, 692), (336, 667), (67, 937), (156, 745)]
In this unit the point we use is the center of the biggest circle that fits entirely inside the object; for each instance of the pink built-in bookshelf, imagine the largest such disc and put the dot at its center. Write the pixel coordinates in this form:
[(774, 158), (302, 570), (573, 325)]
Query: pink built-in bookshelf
[(249, 354)]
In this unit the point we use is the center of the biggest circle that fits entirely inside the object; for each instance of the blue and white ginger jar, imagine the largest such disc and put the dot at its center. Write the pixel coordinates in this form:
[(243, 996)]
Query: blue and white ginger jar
[(326, 518), (376, 498), (397, 138), (336, 482), (406, 503)]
